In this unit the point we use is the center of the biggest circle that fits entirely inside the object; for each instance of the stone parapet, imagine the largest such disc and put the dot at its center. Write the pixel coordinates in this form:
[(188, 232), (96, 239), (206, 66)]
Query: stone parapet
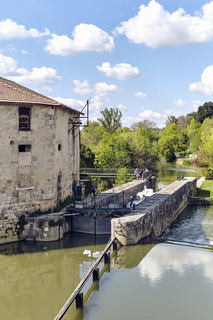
[(154, 215)]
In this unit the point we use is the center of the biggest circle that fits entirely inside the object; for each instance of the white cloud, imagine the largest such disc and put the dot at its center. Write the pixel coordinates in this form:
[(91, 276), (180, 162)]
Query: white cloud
[(24, 51), (196, 104), (98, 103), (121, 71), (150, 114), (102, 88), (171, 111), (75, 104), (205, 85), (140, 95), (156, 27), (11, 30), (85, 37), (180, 102), (82, 88), (8, 65), (122, 107), (163, 258), (38, 76), (99, 89)]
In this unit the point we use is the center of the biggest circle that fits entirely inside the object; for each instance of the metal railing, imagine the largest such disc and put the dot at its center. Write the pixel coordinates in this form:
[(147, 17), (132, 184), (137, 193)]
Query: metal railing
[(77, 295), (103, 170)]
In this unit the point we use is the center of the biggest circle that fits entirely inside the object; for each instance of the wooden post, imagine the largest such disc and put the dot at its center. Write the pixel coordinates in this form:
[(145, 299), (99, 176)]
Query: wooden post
[(96, 274), (115, 245), (79, 300), (107, 257)]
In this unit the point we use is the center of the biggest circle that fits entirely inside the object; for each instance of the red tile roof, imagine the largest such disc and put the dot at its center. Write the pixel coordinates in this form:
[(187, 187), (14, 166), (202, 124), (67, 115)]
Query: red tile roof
[(12, 92)]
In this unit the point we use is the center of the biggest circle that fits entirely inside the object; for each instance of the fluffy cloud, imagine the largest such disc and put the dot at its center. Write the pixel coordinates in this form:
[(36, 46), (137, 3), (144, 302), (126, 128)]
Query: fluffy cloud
[(150, 114), (205, 85), (99, 89), (122, 107), (156, 27), (75, 104), (196, 104), (163, 258), (10, 30), (82, 88), (140, 95), (38, 76), (85, 37), (121, 71), (180, 102)]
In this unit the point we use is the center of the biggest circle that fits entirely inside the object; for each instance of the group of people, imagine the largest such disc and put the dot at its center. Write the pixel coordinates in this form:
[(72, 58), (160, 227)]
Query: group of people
[(141, 174)]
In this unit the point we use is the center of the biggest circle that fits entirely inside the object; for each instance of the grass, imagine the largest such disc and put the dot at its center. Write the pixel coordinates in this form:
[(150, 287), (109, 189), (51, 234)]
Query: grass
[(206, 189)]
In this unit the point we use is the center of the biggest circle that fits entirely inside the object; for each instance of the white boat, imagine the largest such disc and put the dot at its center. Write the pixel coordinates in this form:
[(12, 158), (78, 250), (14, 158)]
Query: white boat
[(140, 196)]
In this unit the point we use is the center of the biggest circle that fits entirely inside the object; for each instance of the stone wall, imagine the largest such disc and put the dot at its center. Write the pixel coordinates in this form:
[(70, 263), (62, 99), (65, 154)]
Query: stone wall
[(46, 228), (42, 175), (154, 215), (8, 231), (120, 195), (53, 226)]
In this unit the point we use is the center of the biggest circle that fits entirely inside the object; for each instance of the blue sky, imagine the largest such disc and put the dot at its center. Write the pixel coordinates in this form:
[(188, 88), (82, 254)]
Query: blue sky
[(151, 59)]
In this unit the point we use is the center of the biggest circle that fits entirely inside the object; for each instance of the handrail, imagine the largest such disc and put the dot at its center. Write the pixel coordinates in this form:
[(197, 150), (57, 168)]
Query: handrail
[(103, 170), (75, 293)]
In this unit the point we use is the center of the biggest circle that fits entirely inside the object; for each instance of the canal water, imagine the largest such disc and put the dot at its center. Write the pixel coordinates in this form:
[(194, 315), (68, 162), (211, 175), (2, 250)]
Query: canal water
[(171, 279)]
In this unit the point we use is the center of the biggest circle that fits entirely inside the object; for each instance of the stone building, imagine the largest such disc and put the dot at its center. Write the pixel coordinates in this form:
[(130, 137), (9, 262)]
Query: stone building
[(39, 157)]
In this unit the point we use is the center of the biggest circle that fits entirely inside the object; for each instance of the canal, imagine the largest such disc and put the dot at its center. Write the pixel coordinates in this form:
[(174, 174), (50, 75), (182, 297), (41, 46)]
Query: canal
[(170, 279)]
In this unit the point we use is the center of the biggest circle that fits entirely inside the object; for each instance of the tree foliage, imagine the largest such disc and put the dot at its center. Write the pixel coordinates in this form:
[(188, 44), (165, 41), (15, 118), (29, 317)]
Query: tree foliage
[(111, 119), (147, 124), (205, 111), (105, 143), (205, 154), (87, 157), (122, 176)]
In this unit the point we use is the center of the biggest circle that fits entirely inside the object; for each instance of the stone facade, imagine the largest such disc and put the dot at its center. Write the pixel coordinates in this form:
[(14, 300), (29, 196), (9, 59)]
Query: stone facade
[(39, 158), (154, 215)]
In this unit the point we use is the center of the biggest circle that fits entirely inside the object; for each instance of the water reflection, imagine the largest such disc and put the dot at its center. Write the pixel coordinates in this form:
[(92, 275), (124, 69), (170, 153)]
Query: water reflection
[(169, 173), (169, 283), (70, 240), (164, 258), (34, 285), (129, 257)]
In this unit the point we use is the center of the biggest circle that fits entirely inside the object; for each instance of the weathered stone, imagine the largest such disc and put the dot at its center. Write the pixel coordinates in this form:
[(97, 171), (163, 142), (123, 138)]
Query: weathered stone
[(154, 215)]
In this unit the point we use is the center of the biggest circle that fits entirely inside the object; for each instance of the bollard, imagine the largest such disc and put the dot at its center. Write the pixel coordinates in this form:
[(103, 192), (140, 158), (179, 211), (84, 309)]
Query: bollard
[(95, 274), (79, 300), (115, 245), (107, 257)]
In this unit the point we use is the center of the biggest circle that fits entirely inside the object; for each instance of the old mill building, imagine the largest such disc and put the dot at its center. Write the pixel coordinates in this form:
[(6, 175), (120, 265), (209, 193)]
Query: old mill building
[(39, 158)]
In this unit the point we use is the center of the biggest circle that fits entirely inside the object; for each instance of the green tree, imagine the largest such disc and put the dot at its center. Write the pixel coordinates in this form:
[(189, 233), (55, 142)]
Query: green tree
[(145, 147), (205, 155), (87, 157), (147, 124), (172, 140), (205, 111), (122, 177), (194, 134), (114, 152), (111, 119), (171, 120), (92, 134)]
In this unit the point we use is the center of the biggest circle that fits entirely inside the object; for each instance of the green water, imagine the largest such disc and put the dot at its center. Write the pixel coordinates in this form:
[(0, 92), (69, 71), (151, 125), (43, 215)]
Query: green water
[(169, 280), (36, 280)]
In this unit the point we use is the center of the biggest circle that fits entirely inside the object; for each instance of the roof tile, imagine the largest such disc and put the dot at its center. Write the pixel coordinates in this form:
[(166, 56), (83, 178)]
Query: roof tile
[(12, 92)]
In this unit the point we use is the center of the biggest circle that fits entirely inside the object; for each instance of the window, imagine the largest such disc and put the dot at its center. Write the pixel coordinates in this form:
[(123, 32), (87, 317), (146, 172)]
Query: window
[(24, 148), (59, 147), (24, 119)]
